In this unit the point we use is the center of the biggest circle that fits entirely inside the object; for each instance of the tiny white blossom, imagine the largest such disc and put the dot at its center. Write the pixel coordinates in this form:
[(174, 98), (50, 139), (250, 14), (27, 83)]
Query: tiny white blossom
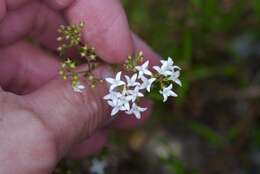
[(167, 68), (120, 103), (78, 87), (143, 70), (134, 94), (168, 62), (124, 102), (115, 82), (98, 167), (132, 81), (136, 110), (167, 92), (113, 96), (147, 83), (115, 106)]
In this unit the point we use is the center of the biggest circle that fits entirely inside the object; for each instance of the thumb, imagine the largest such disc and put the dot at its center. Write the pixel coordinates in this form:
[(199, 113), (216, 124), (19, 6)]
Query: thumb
[(71, 116)]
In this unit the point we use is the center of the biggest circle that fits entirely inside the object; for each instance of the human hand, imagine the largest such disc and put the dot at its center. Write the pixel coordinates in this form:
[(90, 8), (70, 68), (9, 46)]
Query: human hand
[(41, 119)]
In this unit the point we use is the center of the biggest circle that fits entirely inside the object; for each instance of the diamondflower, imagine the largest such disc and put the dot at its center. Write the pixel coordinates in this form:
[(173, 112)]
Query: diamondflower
[(167, 63), (124, 102), (113, 96), (118, 101), (78, 87), (134, 94), (115, 82), (167, 92), (132, 81), (147, 83), (136, 110), (167, 68), (143, 70)]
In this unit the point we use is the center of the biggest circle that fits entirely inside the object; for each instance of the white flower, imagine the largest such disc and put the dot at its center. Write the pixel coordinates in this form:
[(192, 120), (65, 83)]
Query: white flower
[(136, 110), (167, 68), (115, 82), (113, 96), (147, 83), (78, 87), (119, 102), (168, 62), (167, 92), (115, 106), (124, 103), (132, 81), (134, 94), (98, 167), (143, 70)]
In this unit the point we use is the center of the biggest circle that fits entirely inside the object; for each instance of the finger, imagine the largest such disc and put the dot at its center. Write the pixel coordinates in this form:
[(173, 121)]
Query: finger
[(149, 54), (106, 27), (59, 4), (14, 4), (25, 68), (34, 19), (2, 9), (90, 146), (71, 116)]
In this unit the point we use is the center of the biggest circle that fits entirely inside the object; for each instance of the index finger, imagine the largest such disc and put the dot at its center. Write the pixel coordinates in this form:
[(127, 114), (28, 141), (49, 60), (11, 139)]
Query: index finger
[(106, 27)]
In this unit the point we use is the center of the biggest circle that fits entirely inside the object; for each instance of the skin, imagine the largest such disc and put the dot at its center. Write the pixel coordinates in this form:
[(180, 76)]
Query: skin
[(41, 119)]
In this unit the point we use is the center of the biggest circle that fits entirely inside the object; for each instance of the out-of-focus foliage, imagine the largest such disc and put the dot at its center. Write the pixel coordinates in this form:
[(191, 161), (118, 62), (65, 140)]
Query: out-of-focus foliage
[(213, 126)]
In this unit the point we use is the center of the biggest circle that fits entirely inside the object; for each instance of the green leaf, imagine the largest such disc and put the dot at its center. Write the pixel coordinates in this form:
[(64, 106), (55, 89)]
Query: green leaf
[(207, 133), (257, 7), (197, 2)]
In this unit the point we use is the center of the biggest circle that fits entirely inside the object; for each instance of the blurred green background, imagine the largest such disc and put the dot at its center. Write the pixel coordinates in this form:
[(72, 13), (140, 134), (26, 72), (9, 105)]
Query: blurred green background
[(213, 126)]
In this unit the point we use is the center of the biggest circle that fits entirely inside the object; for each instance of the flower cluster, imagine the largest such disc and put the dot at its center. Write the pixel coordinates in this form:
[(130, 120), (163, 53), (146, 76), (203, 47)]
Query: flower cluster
[(125, 90), (125, 93), (70, 38)]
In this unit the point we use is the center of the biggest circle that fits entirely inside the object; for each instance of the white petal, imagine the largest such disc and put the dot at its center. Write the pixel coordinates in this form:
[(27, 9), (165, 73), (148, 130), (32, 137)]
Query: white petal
[(134, 77), (107, 97), (146, 63), (110, 80), (157, 68), (114, 111), (77, 90), (165, 97), (137, 115), (147, 72), (118, 75), (127, 78), (142, 109), (177, 81), (171, 93)]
